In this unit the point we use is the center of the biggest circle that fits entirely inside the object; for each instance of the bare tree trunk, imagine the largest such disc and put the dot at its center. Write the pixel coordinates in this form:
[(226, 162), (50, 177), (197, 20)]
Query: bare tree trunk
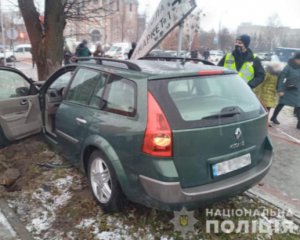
[(46, 38)]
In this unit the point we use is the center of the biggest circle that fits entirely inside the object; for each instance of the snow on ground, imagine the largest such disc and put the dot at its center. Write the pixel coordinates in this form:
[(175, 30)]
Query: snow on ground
[(44, 219), (56, 204), (281, 222), (120, 230), (39, 211)]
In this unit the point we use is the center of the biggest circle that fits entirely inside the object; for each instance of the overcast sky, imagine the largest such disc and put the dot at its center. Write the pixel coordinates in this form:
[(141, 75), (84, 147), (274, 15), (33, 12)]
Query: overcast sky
[(232, 12)]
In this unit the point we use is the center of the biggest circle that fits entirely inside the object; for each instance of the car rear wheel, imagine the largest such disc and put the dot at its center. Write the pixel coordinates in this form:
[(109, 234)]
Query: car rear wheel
[(103, 181)]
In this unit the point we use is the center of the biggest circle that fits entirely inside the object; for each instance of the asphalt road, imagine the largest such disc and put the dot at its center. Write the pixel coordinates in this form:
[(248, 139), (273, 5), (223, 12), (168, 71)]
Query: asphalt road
[(281, 187), (26, 67), (284, 174)]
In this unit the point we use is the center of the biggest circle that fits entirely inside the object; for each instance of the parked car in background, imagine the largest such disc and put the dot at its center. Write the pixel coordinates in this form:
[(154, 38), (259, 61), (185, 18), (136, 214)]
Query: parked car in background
[(22, 51), (168, 53), (264, 56), (184, 54), (172, 53), (284, 53), (8, 54), (119, 51), (158, 133), (215, 56), (159, 53)]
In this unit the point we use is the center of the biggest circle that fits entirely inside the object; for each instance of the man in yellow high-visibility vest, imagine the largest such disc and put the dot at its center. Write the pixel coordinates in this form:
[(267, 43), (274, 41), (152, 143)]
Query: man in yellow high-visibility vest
[(245, 62)]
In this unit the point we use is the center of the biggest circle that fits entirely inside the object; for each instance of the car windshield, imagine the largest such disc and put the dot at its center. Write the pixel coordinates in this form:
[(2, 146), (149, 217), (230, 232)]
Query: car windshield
[(213, 96)]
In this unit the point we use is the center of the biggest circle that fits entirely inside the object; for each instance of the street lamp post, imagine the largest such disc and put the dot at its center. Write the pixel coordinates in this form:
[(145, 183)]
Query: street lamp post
[(3, 34), (180, 36)]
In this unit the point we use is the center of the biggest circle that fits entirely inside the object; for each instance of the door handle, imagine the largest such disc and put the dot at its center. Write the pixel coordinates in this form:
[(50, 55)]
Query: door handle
[(81, 120), (24, 102)]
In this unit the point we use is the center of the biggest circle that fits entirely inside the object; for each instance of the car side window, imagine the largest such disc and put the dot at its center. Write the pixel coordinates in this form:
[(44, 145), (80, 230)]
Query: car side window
[(62, 81), (120, 96), (19, 50), (82, 86), (97, 98), (13, 85)]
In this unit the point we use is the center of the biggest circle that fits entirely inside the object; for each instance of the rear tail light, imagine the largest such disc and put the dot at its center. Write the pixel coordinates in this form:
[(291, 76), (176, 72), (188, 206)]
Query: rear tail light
[(158, 136), (210, 72)]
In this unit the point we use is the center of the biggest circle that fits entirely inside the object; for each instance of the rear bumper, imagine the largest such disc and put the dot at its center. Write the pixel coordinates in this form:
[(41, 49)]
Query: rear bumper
[(172, 193)]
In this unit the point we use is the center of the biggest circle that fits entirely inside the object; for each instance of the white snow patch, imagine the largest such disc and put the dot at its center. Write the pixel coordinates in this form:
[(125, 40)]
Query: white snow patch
[(40, 223), (119, 230), (115, 234), (85, 223), (42, 217), (282, 223)]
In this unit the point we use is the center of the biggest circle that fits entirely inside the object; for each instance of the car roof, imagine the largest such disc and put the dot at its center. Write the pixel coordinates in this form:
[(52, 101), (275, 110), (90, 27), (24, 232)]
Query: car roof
[(156, 69), (170, 69)]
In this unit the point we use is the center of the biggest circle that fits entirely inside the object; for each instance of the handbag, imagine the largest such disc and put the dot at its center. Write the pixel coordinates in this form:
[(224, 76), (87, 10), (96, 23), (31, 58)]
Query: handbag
[(291, 83)]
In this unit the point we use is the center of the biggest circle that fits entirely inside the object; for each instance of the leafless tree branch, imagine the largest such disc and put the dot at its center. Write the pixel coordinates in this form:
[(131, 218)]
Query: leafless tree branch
[(79, 10)]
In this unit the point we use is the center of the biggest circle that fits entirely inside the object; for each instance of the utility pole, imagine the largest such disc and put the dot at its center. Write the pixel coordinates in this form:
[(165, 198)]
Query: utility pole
[(3, 34), (180, 38)]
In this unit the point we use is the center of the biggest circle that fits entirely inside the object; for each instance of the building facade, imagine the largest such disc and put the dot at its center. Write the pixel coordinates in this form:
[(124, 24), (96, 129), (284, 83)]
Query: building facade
[(119, 22), (267, 38)]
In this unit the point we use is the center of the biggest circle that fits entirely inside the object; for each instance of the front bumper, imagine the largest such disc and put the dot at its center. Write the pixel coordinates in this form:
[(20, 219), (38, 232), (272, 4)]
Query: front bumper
[(172, 193)]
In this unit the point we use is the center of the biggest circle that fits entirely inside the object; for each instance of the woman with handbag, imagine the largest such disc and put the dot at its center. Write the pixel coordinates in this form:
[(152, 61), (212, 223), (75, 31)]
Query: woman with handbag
[(289, 88)]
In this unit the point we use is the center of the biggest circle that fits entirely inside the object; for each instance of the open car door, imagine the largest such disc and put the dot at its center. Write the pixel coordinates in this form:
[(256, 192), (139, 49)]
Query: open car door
[(20, 114)]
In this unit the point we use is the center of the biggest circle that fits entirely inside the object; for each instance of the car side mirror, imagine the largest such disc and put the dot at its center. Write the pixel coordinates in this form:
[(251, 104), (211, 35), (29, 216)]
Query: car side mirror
[(22, 91)]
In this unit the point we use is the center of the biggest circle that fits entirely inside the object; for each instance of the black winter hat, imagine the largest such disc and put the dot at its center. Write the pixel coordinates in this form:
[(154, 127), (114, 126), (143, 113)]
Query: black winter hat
[(246, 39)]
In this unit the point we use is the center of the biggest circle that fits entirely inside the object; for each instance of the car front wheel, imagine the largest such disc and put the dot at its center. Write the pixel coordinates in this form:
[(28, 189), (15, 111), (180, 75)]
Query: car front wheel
[(103, 181)]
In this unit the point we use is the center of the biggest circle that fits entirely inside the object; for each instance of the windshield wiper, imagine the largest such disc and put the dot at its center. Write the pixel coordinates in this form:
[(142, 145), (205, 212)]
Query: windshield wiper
[(225, 112)]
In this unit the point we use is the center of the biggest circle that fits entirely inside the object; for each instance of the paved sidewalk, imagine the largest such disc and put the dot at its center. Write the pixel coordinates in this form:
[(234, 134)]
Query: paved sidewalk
[(26, 68), (10, 226), (6, 230), (281, 186)]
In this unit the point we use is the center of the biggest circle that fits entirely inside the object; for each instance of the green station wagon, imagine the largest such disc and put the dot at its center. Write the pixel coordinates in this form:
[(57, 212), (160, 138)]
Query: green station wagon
[(161, 133)]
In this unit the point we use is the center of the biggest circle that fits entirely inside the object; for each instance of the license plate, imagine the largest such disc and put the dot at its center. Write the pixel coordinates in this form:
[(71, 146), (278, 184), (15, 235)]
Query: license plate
[(231, 165)]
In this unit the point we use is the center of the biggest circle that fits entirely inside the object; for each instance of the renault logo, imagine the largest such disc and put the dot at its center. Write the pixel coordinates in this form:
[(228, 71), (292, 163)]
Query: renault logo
[(238, 134)]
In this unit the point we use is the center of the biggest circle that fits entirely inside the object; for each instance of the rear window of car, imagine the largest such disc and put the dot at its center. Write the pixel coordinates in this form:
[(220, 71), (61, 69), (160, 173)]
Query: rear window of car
[(206, 100)]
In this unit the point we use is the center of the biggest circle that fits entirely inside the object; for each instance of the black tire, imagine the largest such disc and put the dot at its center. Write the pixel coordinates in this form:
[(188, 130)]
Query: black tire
[(117, 198)]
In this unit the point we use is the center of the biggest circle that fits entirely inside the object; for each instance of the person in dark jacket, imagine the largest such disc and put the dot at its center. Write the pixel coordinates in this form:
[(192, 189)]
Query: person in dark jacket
[(289, 88), (245, 62), (133, 46), (82, 50), (206, 54)]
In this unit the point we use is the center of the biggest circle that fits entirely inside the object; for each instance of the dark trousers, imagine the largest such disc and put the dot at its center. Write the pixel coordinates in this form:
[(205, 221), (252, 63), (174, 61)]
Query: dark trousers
[(279, 107)]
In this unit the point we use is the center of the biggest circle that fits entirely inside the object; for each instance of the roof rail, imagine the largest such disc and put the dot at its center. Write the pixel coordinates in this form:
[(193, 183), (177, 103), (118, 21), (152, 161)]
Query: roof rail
[(183, 60), (99, 60)]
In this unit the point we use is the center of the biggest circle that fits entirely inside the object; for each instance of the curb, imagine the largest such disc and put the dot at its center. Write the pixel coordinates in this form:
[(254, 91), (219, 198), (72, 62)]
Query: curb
[(14, 221), (275, 202)]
